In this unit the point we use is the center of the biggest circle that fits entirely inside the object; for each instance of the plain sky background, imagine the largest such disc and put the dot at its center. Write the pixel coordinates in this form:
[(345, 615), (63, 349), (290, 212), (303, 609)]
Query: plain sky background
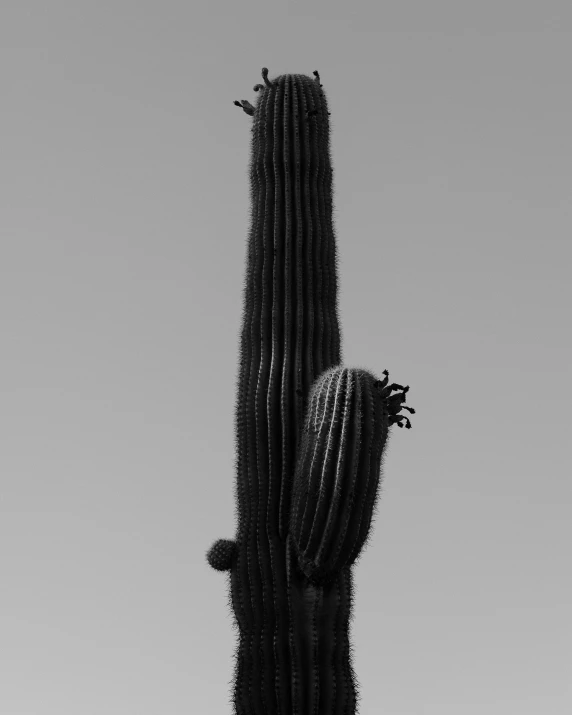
[(123, 223)]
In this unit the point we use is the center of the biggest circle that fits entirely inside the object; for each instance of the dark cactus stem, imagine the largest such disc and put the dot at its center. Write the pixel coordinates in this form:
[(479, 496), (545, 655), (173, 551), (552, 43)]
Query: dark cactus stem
[(307, 482)]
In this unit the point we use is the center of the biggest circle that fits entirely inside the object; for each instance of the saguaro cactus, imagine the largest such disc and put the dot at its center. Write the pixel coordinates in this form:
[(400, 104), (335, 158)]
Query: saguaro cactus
[(310, 433)]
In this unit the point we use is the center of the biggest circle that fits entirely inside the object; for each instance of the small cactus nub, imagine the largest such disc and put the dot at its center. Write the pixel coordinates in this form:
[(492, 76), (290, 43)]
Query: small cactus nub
[(221, 554)]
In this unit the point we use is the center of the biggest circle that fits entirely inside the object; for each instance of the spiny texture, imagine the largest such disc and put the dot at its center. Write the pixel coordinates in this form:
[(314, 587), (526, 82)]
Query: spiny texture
[(290, 580)]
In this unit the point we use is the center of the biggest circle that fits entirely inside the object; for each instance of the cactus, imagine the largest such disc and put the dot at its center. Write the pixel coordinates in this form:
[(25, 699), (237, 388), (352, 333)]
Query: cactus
[(310, 433)]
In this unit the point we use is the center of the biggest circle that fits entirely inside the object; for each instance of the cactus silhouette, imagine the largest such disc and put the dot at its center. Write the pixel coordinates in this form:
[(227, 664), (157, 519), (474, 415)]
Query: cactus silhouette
[(310, 433)]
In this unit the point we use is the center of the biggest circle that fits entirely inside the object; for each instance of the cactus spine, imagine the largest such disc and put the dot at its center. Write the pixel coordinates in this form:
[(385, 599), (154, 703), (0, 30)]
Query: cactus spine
[(306, 482)]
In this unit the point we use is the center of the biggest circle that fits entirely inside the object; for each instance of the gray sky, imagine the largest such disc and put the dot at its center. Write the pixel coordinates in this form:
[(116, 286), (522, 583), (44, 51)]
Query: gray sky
[(123, 222)]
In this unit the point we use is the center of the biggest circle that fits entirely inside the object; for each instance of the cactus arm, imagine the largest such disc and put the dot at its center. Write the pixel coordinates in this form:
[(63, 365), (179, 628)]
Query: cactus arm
[(338, 469)]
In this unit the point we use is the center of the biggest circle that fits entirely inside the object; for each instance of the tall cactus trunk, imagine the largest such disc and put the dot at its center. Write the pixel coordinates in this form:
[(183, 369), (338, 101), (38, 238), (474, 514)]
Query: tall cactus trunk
[(307, 481)]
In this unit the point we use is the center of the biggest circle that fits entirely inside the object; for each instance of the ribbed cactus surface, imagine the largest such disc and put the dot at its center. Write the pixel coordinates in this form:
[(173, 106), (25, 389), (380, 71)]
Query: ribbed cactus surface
[(310, 433)]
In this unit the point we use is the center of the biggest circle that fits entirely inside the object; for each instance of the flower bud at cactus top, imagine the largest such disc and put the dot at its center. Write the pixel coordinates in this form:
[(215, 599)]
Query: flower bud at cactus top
[(337, 471)]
